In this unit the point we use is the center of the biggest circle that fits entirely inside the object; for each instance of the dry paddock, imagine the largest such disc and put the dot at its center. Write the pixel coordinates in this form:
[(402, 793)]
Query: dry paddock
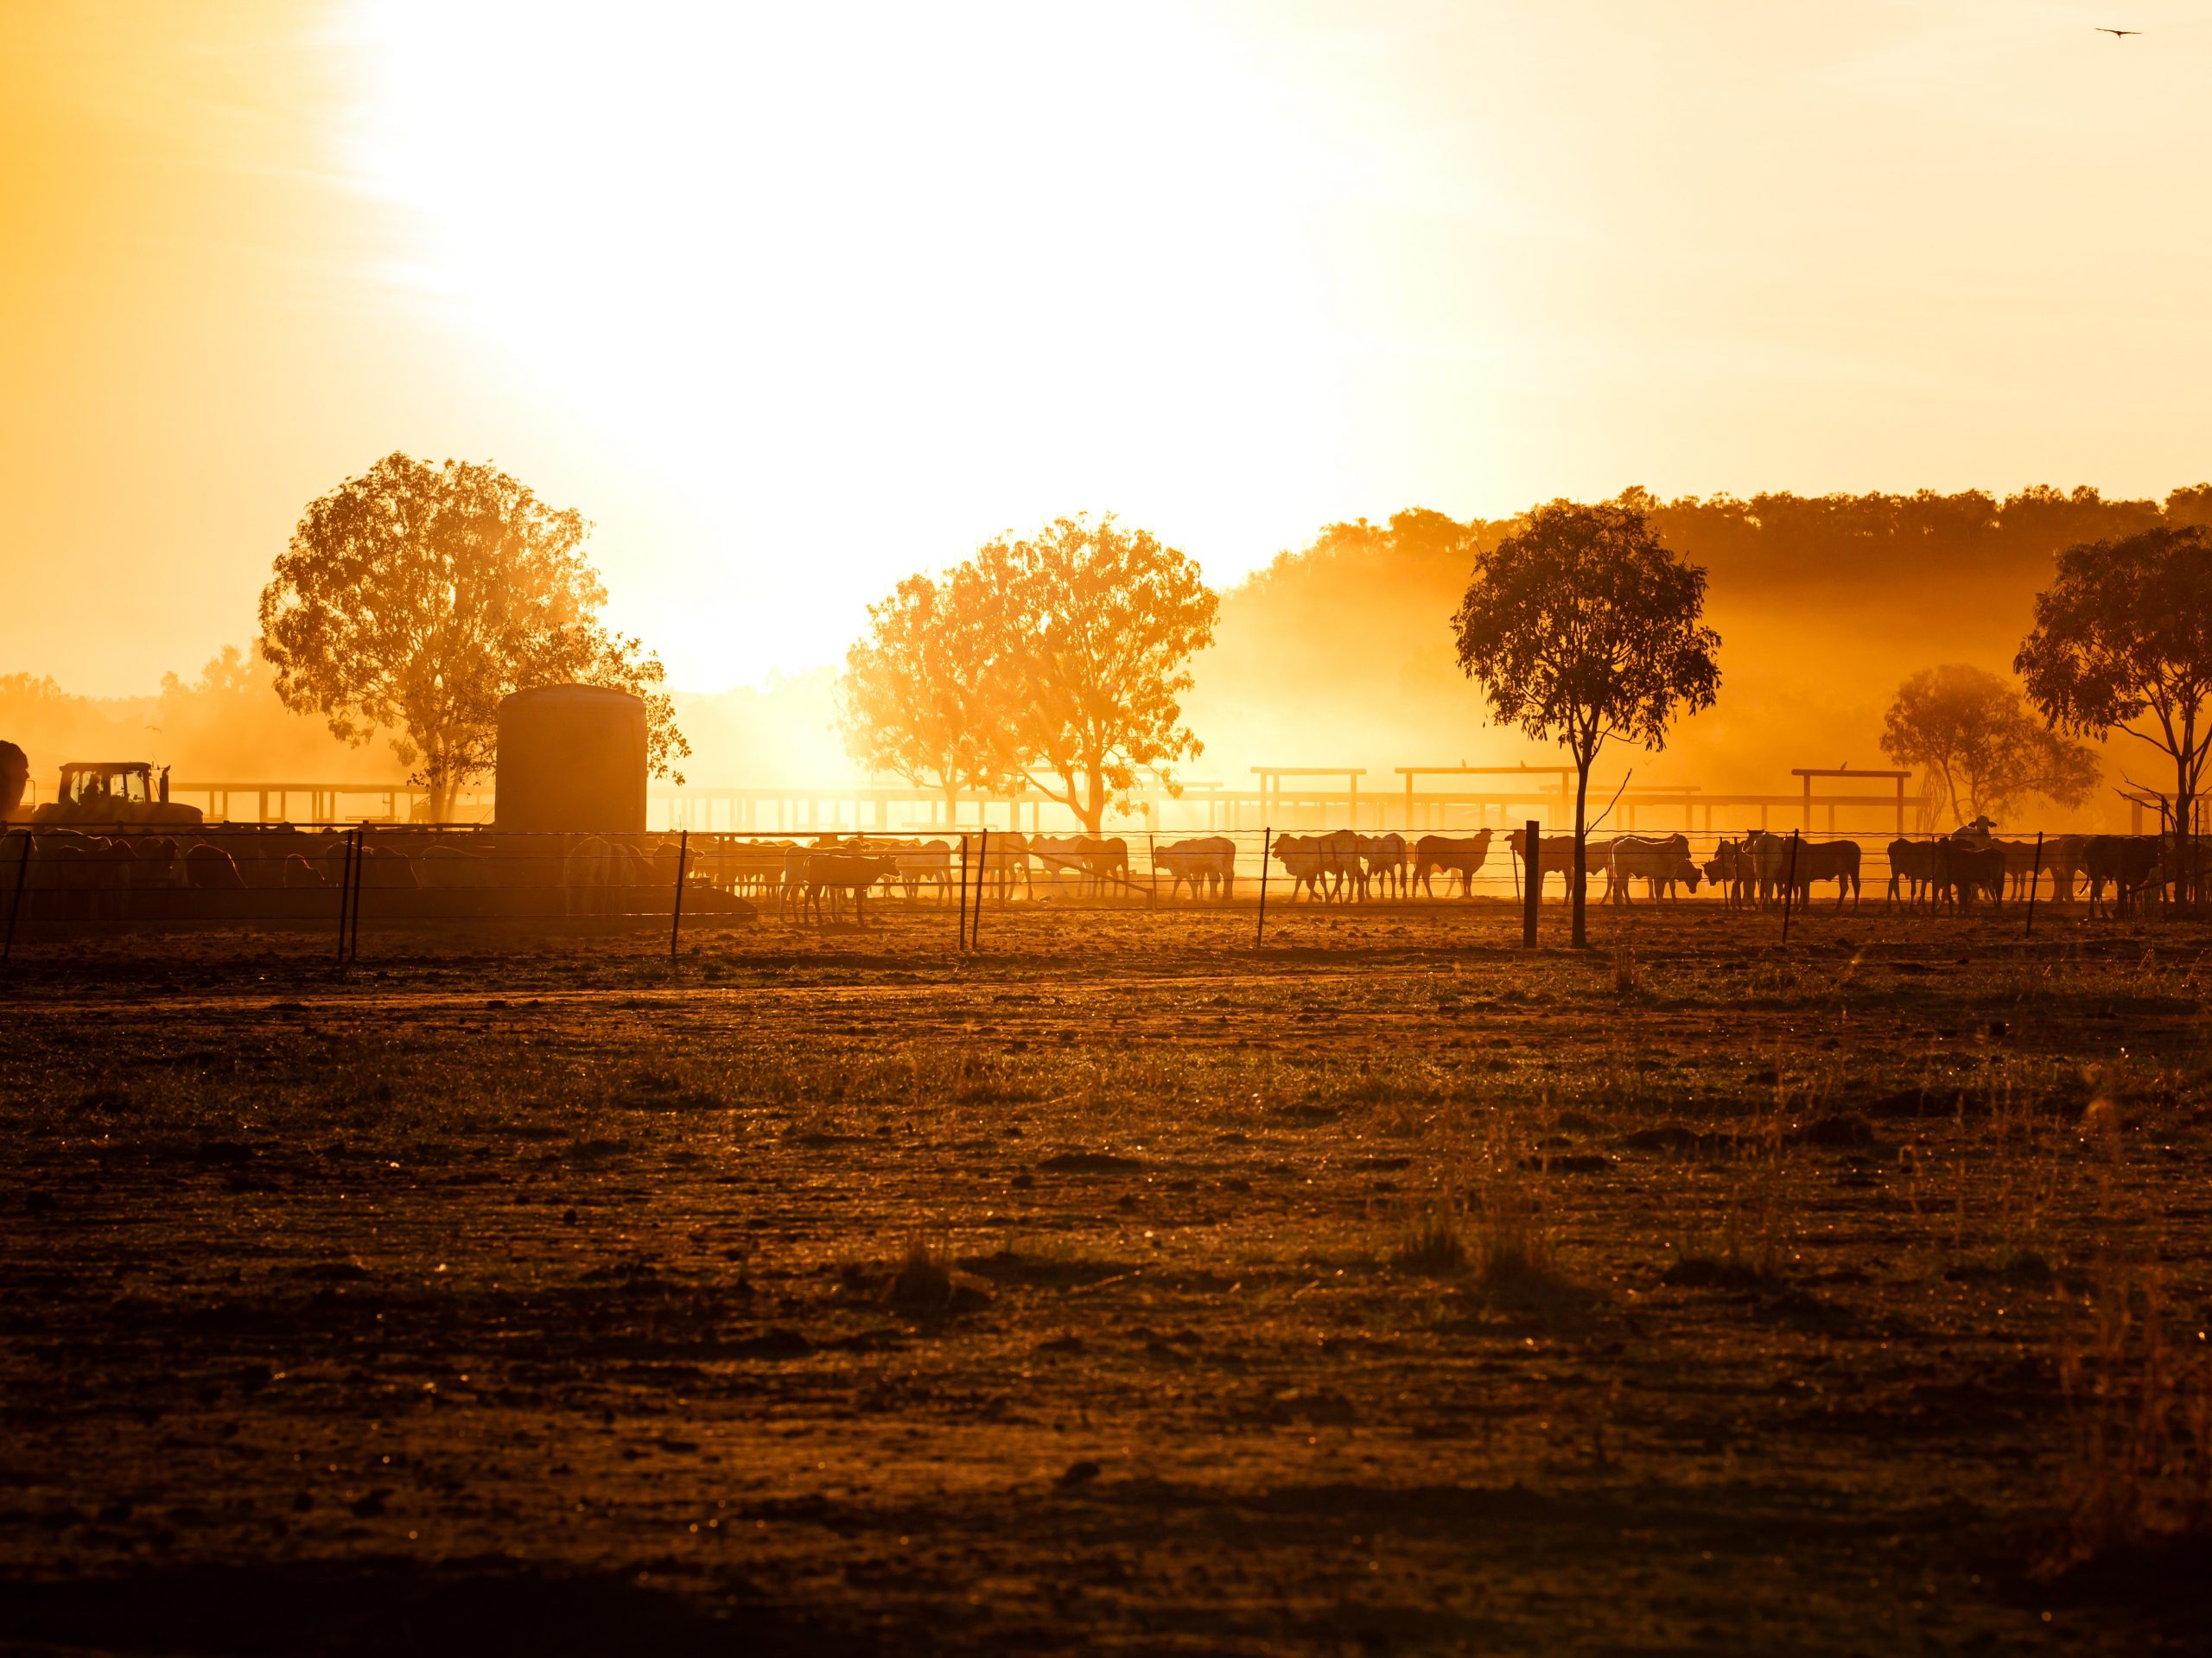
[(1386, 1289)]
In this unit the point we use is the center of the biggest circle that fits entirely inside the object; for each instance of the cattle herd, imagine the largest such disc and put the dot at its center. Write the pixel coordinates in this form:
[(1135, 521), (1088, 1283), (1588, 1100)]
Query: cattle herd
[(276, 872)]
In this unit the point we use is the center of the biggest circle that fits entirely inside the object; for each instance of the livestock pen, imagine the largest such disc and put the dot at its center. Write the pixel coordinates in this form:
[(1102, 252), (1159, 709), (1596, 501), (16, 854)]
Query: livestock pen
[(946, 894)]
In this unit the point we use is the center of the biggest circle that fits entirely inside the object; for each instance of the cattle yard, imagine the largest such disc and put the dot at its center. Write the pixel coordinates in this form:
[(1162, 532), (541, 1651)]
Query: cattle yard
[(1386, 1288), (58, 883)]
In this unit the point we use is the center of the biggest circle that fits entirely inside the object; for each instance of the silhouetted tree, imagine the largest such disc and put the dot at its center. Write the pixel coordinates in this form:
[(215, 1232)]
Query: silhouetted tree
[(1581, 627), (1090, 629), (1973, 732), (918, 698), (2122, 640), (2192, 506), (414, 597)]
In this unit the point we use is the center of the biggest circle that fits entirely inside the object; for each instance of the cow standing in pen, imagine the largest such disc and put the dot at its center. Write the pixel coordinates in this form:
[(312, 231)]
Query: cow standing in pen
[(1208, 863), (1662, 865), (1462, 855), (1384, 860)]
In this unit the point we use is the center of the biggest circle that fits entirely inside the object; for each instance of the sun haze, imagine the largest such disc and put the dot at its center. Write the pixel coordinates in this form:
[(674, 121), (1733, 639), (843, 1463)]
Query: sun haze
[(792, 301)]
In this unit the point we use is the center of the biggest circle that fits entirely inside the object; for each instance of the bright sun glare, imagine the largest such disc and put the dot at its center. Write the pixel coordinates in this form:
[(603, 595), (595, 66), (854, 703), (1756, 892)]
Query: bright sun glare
[(867, 285)]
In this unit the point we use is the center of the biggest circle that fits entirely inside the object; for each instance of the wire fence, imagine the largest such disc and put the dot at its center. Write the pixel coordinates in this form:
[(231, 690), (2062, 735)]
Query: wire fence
[(344, 881)]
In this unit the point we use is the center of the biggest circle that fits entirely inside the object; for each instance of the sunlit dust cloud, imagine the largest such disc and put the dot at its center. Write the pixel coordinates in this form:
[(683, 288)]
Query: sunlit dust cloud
[(864, 286)]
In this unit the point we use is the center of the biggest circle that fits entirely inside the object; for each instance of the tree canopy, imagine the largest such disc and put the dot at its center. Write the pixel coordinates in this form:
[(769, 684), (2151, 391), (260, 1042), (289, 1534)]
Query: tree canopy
[(1581, 627), (413, 598), (2123, 642), (918, 699), (1094, 626), (1973, 732), (1055, 662)]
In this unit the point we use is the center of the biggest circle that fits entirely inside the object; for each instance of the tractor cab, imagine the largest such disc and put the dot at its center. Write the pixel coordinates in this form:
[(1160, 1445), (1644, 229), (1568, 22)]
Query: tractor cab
[(114, 792), (100, 783)]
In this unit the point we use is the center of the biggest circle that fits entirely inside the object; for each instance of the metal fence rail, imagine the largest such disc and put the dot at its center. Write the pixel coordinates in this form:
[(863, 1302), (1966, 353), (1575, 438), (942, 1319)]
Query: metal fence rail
[(1296, 797)]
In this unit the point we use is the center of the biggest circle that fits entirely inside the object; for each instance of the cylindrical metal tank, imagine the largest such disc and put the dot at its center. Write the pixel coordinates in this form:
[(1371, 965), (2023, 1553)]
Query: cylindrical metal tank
[(571, 757)]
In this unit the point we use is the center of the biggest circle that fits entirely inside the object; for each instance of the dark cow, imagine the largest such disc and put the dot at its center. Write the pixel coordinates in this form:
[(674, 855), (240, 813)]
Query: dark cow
[(1005, 854), (1319, 861), (1557, 855), (597, 876), (841, 872), (1302, 861), (1735, 871), (1455, 855), (2133, 864), (1912, 870), (1776, 855), (1385, 859), (211, 869), (1105, 862), (1209, 863), (1662, 865), (1096, 864), (2062, 861), (446, 865), (930, 863), (1964, 872), (1063, 859)]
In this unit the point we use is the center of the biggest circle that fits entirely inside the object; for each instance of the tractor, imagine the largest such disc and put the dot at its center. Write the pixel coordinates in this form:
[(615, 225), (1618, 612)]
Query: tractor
[(115, 793)]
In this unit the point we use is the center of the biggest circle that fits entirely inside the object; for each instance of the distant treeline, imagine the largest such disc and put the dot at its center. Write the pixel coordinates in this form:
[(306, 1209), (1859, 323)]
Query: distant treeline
[(1339, 653), (1774, 541), (1788, 541)]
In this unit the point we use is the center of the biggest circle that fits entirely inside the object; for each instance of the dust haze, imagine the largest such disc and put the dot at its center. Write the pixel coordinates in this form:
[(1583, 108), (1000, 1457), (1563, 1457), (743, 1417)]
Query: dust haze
[(1338, 654)]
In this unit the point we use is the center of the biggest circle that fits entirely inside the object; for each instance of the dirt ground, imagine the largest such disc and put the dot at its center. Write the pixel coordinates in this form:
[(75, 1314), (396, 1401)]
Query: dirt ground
[(1123, 1287)]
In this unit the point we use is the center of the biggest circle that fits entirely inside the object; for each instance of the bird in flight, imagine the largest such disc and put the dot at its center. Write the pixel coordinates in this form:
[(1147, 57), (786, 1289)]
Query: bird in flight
[(2117, 34)]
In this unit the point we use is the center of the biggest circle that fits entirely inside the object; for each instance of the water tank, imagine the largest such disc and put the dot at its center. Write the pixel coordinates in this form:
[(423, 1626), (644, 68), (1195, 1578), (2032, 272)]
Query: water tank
[(15, 779), (571, 757)]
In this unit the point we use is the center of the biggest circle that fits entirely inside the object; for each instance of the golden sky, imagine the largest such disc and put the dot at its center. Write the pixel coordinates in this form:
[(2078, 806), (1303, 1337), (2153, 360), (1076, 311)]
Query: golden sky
[(793, 300)]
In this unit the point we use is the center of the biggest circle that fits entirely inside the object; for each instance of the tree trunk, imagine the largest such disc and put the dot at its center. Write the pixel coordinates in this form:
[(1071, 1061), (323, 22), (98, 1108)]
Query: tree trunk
[(1581, 860), (2181, 867), (1093, 807), (2188, 885), (951, 803)]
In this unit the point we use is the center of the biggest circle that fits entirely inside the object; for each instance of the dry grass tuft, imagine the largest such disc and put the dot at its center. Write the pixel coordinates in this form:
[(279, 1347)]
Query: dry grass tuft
[(1432, 1239), (1513, 1248), (1513, 1236), (924, 1280), (1626, 983), (2139, 1401)]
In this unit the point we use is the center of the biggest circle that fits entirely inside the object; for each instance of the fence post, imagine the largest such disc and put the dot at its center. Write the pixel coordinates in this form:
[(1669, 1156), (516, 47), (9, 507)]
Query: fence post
[(15, 904), (982, 870), (2035, 880), (345, 895), (1789, 887), (360, 858), (964, 895), (1267, 841), (1152, 862), (1532, 893), (675, 921)]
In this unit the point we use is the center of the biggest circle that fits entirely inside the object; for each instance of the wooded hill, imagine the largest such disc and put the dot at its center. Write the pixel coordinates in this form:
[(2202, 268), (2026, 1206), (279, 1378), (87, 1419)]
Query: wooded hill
[(1341, 653)]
